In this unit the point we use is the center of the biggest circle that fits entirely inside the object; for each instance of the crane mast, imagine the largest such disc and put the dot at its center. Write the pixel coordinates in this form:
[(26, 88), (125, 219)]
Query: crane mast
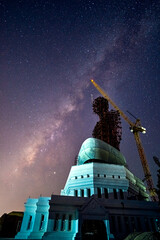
[(135, 128)]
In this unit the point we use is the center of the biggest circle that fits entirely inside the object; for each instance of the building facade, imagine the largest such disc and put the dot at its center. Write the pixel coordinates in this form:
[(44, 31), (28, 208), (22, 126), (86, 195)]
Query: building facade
[(101, 199)]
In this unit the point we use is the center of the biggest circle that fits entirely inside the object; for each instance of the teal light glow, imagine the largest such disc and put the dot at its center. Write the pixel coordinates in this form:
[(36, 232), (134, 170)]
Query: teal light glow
[(100, 151)]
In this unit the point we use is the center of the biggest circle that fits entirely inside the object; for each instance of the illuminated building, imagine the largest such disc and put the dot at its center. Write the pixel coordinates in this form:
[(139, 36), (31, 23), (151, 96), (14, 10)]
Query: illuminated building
[(101, 199), (100, 196)]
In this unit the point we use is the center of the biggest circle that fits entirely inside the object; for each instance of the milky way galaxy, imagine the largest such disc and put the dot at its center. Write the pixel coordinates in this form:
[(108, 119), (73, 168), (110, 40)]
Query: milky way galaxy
[(50, 49)]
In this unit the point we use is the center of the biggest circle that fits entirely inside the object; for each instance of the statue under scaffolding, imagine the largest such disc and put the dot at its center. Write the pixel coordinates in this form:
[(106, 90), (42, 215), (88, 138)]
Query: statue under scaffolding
[(108, 129)]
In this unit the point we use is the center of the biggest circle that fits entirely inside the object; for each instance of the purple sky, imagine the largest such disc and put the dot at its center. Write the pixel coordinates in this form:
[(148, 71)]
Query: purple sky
[(50, 50)]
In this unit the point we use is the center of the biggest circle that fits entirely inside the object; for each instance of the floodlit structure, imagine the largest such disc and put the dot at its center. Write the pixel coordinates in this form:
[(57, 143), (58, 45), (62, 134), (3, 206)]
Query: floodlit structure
[(101, 196), (101, 199)]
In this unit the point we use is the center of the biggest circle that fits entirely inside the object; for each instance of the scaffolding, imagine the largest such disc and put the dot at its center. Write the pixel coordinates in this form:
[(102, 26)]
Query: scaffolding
[(108, 129)]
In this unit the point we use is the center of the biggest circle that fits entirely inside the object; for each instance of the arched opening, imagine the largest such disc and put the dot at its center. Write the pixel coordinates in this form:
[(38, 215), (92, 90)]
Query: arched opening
[(93, 230)]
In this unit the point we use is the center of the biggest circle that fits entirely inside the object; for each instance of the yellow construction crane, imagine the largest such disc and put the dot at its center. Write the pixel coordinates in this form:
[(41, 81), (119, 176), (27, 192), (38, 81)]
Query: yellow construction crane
[(135, 128)]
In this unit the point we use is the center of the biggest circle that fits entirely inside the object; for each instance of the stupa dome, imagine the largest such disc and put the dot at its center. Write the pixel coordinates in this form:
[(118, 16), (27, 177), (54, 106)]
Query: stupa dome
[(95, 150)]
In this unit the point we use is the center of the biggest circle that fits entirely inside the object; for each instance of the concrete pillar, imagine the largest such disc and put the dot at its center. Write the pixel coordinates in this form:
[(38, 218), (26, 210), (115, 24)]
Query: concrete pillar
[(110, 193), (67, 222), (78, 192), (29, 214), (95, 191), (85, 192), (42, 211), (92, 191), (65, 225), (125, 193), (50, 225), (71, 193), (75, 225), (59, 223), (106, 222)]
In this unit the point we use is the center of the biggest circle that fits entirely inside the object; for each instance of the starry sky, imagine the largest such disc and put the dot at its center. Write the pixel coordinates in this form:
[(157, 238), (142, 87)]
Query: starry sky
[(50, 49)]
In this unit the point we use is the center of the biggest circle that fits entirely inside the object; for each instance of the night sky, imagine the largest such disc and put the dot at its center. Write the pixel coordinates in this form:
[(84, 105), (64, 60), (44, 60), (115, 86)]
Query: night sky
[(49, 51)]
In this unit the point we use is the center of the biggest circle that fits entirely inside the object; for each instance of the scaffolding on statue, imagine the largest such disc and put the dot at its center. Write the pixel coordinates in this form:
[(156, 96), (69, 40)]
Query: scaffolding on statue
[(108, 129)]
